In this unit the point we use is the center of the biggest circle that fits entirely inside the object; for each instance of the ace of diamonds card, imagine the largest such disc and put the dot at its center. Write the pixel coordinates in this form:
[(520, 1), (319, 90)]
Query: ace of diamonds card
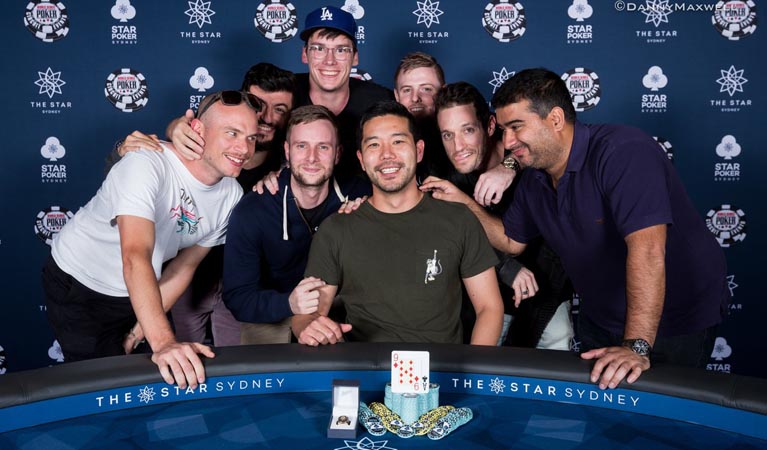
[(409, 372)]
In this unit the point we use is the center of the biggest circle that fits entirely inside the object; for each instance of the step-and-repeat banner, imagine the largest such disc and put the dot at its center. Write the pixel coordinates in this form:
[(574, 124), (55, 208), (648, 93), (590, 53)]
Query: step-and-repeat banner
[(689, 73)]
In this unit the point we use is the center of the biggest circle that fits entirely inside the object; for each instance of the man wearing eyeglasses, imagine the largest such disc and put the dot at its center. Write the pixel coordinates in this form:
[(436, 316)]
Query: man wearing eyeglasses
[(330, 51), (106, 264)]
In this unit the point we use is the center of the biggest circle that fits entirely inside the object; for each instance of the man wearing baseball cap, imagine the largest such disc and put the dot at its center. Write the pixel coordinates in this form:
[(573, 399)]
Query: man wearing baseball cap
[(330, 51)]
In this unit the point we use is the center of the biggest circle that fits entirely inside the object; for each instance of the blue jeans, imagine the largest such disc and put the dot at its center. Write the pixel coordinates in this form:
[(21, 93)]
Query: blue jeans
[(691, 350)]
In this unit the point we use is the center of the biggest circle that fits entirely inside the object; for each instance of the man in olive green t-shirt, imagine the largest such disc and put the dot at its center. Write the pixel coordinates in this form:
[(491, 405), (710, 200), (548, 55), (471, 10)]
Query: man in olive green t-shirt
[(397, 263)]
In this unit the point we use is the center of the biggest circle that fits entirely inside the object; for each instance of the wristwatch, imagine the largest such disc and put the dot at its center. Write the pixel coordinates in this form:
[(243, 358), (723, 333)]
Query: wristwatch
[(510, 163), (638, 346)]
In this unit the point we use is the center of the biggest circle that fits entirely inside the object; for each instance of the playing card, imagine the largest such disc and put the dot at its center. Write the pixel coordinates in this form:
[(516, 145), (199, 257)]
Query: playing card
[(409, 372)]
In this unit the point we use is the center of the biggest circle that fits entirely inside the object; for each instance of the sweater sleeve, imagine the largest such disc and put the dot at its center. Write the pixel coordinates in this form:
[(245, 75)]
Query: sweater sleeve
[(243, 289)]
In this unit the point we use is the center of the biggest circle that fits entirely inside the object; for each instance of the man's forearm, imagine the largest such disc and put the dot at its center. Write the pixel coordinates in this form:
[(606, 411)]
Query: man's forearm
[(494, 229), (487, 327), (147, 304), (645, 288)]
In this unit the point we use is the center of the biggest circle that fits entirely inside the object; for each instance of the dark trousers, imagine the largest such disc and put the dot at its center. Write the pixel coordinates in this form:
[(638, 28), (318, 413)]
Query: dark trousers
[(87, 324), (691, 350)]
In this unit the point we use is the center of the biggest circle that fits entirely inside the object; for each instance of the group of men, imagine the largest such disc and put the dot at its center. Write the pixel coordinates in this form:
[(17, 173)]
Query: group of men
[(449, 207)]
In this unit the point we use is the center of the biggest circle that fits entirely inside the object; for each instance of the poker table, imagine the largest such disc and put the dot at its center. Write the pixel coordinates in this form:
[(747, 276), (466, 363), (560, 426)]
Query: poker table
[(279, 396)]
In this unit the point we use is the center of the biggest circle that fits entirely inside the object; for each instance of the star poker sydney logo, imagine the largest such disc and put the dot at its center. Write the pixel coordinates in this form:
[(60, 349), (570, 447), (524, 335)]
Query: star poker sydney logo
[(199, 13), (428, 13), (730, 81), (201, 80), (50, 82)]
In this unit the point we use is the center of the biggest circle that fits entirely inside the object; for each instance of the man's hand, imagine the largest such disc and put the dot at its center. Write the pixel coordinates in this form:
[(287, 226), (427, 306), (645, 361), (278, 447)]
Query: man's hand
[(350, 206), (270, 183), (178, 362), (323, 331), (614, 363), (444, 190), (132, 340), (492, 184), (305, 298), (137, 141), (188, 143), (524, 285)]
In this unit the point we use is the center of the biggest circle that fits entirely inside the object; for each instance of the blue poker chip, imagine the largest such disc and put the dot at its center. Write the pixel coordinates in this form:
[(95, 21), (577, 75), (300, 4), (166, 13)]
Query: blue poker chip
[(584, 87), (47, 20), (734, 19), (277, 20), (504, 20), (127, 90)]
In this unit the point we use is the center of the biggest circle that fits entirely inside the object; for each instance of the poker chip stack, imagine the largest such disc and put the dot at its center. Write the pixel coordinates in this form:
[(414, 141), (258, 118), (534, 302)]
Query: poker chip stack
[(411, 406)]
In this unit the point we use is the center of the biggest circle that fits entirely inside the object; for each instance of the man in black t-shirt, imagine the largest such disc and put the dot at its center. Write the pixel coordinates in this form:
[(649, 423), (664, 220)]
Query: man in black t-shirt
[(330, 51)]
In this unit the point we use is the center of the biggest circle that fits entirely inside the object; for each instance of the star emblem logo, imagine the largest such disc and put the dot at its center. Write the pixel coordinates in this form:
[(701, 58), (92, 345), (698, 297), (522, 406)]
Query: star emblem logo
[(146, 394), (656, 12), (428, 13), (199, 12), (731, 81), (365, 444), (499, 78), (50, 82)]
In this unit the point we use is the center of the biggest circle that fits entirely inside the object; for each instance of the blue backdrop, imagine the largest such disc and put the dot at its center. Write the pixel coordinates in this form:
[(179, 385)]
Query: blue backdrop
[(79, 75)]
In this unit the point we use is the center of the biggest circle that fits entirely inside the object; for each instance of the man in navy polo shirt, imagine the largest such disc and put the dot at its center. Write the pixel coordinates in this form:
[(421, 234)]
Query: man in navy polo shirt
[(651, 276)]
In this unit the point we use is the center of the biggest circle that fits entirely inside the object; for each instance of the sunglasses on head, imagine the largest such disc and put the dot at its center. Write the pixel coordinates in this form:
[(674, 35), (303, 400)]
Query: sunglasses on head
[(230, 98)]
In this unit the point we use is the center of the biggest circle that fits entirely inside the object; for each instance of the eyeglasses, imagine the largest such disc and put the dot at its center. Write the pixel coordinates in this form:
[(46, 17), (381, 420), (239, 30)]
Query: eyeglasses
[(319, 52), (230, 98)]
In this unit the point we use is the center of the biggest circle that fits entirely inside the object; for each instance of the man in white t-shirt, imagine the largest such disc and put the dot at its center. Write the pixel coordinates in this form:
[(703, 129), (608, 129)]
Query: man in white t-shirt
[(106, 267)]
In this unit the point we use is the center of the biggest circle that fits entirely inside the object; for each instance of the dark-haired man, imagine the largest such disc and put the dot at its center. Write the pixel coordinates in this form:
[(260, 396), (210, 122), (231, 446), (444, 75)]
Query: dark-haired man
[(269, 235), (652, 278), (330, 52), (468, 128), (397, 262), (106, 272)]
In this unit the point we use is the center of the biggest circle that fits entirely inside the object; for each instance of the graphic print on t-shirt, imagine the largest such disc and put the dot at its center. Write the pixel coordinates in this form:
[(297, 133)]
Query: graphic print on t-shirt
[(433, 268), (185, 215)]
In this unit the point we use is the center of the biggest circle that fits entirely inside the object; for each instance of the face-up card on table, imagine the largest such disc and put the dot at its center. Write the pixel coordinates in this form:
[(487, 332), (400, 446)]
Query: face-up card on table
[(409, 372)]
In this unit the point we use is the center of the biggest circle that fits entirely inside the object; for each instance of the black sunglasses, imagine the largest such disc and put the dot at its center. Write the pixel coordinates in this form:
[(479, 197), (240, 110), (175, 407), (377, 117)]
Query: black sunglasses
[(230, 98)]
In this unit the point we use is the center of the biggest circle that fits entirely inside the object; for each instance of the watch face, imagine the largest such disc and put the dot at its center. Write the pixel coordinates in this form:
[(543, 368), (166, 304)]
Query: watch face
[(638, 346)]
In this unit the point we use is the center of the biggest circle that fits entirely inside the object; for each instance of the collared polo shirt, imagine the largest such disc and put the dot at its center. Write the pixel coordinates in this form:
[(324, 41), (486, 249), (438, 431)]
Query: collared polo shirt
[(618, 181)]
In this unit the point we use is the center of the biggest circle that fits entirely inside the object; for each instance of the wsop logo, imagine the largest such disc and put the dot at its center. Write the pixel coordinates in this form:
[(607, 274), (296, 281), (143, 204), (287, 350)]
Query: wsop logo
[(728, 224), (47, 20), (504, 20), (2, 360), (666, 146), (584, 88), (50, 221), (735, 19), (127, 90), (277, 20), (360, 74)]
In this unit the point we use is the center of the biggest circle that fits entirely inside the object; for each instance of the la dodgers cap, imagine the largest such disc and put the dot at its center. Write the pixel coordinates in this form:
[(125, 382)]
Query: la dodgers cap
[(330, 17)]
